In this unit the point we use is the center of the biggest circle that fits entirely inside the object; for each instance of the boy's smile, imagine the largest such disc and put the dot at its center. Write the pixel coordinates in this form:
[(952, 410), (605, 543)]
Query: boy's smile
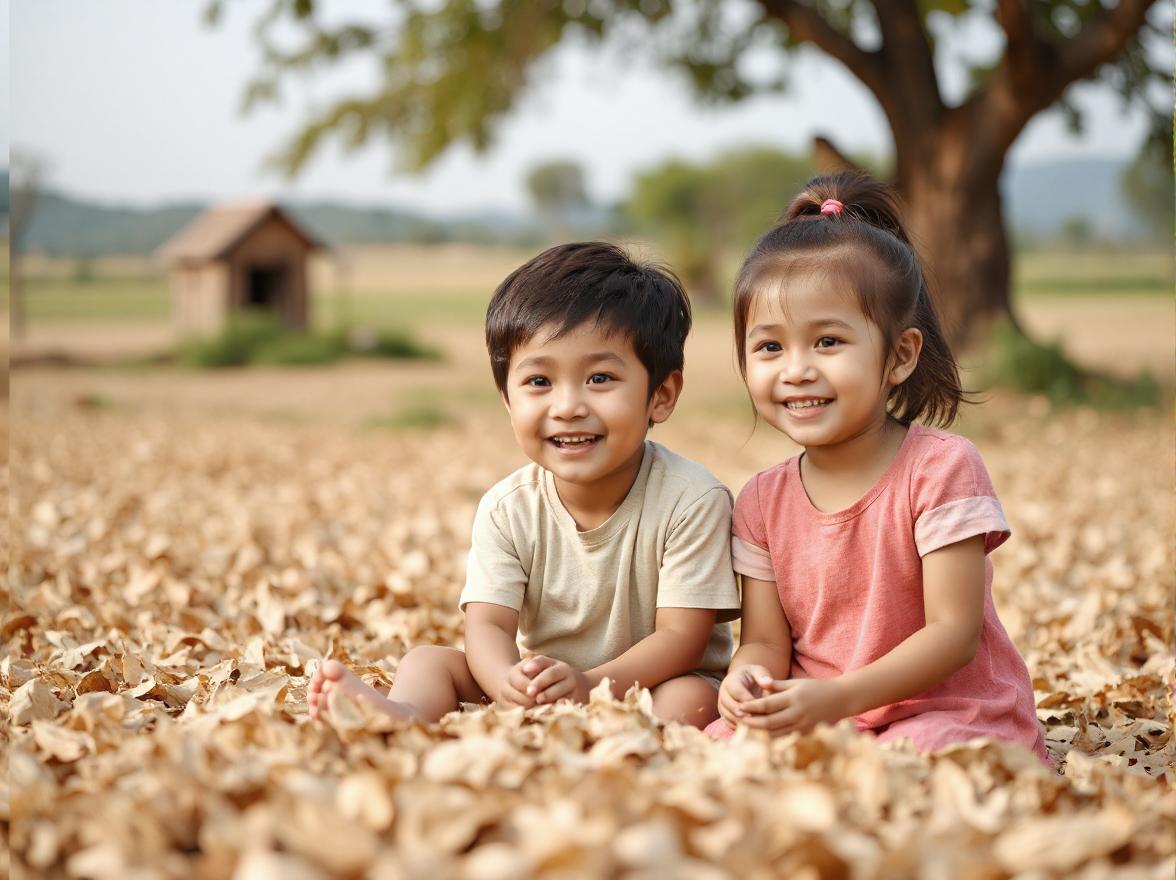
[(573, 444), (580, 407)]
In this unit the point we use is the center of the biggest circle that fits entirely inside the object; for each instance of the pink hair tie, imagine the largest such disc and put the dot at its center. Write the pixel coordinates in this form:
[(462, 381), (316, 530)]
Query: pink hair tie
[(832, 206)]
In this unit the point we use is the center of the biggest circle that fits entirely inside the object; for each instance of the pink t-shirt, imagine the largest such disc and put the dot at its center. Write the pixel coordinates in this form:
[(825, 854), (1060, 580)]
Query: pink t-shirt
[(851, 584)]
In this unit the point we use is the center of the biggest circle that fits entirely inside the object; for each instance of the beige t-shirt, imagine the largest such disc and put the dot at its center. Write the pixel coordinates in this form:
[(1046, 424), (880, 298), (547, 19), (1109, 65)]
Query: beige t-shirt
[(587, 597)]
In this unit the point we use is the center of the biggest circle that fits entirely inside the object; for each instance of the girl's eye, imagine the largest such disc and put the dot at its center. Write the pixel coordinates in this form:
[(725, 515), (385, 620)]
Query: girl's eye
[(599, 378), (537, 382), (768, 346), (827, 341)]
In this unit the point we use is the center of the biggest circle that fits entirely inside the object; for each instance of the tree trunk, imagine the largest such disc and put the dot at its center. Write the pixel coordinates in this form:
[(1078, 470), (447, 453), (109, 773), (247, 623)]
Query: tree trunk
[(956, 219), (697, 265), (16, 297)]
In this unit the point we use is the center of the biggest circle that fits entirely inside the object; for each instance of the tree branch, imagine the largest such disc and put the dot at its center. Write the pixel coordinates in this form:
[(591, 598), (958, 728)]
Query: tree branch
[(1036, 71), (1103, 38), (806, 25), (909, 56), (1022, 43), (828, 159)]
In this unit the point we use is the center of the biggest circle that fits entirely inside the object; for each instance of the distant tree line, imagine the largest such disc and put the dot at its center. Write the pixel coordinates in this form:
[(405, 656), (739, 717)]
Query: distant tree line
[(698, 213)]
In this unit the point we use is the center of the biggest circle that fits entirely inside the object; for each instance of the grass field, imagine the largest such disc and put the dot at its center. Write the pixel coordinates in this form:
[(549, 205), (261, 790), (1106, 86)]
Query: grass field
[(1097, 273), (101, 308), (68, 299), (412, 284)]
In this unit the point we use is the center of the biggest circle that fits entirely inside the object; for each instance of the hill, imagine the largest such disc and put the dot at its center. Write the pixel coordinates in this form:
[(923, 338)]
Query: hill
[(1044, 195), (1040, 198)]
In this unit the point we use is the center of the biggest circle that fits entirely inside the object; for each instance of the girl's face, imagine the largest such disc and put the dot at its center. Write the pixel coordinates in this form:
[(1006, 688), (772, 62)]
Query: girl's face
[(817, 368)]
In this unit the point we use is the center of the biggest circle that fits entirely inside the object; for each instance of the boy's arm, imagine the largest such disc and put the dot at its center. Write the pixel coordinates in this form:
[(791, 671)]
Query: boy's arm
[(695, 565), (674, 648), (492, 652)]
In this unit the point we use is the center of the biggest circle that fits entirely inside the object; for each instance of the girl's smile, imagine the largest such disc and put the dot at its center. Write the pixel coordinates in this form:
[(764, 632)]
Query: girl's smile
[(807, 407), (815, 363)]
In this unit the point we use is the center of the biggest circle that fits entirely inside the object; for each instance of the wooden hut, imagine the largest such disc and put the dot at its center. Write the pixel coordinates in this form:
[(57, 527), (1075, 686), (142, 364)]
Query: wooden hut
[(238, 256)]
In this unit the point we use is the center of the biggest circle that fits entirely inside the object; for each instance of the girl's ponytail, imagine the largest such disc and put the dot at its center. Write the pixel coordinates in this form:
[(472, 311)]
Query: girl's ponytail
[(932, 393), (861, 198)]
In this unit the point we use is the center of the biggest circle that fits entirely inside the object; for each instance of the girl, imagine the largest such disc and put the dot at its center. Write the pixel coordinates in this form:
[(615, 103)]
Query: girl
[(867, 587)]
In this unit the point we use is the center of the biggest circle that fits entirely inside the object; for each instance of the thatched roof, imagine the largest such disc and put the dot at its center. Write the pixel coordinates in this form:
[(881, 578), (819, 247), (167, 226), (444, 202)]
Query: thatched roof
[(218, 230)]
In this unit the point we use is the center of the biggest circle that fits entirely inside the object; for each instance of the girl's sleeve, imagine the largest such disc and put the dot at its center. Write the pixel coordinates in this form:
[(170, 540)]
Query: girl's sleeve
[(749, 539), (952, 497)]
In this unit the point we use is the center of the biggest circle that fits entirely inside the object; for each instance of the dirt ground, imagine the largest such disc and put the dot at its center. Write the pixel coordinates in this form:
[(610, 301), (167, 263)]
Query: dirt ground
[(1122, 336)]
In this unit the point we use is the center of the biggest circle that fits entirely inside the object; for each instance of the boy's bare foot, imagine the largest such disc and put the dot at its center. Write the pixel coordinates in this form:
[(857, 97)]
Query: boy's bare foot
[(333, 677)]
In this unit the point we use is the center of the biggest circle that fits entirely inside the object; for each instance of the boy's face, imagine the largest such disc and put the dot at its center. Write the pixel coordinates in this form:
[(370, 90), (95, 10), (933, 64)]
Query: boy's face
[(580, 406)]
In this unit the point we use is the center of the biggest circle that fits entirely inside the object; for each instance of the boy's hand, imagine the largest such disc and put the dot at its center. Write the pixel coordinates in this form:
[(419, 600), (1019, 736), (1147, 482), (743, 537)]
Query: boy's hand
[(796, 705), (553, 680), (512, 691), (741, 685)]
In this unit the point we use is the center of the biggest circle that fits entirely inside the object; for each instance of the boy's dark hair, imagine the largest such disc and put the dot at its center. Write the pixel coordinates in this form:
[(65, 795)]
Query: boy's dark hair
[(598, 283), (863, 241)]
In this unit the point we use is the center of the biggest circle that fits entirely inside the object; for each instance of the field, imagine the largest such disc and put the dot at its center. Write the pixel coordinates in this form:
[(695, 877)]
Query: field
[(185, 545), (103, 308)]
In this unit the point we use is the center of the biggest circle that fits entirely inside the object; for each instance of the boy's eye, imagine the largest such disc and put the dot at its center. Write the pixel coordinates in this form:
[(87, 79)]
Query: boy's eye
[(827, 341), (536, 381), (599, 378)]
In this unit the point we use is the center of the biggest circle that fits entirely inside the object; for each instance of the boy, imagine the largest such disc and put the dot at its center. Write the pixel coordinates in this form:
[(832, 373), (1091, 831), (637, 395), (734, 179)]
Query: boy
[(609, 555)]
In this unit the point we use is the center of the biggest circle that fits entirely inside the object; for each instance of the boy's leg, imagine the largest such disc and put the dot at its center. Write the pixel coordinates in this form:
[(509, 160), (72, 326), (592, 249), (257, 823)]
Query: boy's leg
[(433, 680), (430, 682), (688, 699)]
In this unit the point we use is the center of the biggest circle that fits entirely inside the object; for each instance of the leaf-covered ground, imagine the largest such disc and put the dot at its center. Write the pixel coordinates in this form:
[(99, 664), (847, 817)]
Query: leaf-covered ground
[(176, 571)]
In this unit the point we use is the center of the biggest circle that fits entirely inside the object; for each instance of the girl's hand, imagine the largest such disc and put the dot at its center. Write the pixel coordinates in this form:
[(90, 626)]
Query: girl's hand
[(741, 685), (797, 705), (553, 680)]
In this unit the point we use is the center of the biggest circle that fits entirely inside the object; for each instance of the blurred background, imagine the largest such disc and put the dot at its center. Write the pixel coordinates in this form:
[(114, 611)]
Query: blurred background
[(201, 186)]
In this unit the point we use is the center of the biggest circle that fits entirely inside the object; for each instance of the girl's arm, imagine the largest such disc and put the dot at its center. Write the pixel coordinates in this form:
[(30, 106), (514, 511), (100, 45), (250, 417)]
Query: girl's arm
[(765, 650), (765, 639), (953, 603)]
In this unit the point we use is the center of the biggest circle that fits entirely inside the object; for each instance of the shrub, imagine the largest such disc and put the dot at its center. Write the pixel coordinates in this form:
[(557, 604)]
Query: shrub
[(415, 415), (301, 349), (235, 346), (260, 339), (397, 344), (1022, 364)]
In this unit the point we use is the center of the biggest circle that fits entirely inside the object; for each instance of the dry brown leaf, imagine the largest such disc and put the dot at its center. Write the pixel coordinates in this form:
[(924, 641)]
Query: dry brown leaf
[(34, 701), (1061, 843), (177, 576), (60, 743), (364, 798)]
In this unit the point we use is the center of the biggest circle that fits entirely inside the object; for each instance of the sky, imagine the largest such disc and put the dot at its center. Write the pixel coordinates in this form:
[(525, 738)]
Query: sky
[(137, 101)]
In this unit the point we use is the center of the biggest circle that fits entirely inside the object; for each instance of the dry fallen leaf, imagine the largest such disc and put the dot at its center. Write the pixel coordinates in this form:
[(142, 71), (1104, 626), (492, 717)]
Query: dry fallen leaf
[(178, 572), (34, 701)]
